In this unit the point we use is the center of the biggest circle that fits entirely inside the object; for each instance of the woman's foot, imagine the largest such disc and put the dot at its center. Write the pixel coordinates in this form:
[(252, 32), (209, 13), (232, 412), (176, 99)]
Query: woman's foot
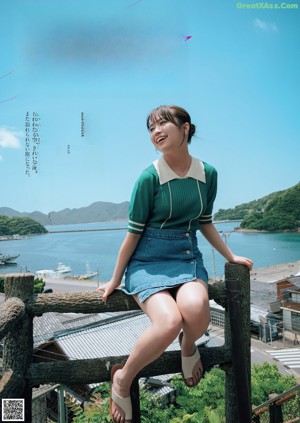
[(192, 368), (120, 401)]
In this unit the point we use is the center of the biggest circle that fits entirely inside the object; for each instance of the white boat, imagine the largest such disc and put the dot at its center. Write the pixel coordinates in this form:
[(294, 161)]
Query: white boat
[(89, 274), (62, 271), (4, 260)]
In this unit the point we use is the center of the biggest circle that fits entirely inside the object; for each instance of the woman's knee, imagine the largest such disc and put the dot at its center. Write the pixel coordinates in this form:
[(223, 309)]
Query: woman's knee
[(194, 304), (170, 325), (196, 310)]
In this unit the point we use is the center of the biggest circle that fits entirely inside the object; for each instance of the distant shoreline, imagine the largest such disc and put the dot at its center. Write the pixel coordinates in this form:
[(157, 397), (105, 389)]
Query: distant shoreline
[(226, 221), (281, 231), (86, 230), (239, 229)]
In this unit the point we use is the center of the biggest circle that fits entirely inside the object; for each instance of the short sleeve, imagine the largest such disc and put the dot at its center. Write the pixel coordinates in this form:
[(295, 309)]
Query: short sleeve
[(141, 202), (211, 181)]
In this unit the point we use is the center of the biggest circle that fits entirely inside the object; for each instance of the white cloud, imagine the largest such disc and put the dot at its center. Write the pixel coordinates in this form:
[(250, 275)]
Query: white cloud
[(265, 26), (9, 138)]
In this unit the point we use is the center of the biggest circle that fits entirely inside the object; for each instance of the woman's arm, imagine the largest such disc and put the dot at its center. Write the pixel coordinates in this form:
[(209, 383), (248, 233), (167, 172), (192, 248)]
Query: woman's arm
[(126, 250), (211, 234)]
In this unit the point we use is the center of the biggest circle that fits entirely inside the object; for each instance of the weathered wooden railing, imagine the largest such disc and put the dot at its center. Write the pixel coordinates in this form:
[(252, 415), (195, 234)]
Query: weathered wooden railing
[(274, 407), (20, 374)]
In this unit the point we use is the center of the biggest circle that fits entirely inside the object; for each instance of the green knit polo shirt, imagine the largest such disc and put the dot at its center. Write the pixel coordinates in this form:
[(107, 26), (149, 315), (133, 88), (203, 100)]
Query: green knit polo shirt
[(163, 200)]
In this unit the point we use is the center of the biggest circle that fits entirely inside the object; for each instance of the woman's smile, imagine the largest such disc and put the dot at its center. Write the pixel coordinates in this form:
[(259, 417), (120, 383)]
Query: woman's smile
[(160, 138)]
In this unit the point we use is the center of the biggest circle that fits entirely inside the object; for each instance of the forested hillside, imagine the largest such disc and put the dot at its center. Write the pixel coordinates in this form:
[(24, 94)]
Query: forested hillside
[(275, 212), (20, 225)]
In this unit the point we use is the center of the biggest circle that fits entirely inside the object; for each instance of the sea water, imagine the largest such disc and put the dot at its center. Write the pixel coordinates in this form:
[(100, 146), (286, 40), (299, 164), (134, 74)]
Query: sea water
[(99, 249)]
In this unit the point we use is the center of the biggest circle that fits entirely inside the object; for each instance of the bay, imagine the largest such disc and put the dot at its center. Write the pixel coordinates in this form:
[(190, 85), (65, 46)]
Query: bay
[(100, 248)]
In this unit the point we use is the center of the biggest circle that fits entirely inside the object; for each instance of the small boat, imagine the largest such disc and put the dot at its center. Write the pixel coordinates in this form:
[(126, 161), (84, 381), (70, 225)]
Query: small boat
[(62, 271), (89, 274), (5, 260), (62, 268)]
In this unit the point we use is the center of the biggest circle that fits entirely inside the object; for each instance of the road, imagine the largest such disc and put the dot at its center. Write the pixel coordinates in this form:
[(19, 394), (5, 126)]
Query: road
[(261, 352), (71, 285)]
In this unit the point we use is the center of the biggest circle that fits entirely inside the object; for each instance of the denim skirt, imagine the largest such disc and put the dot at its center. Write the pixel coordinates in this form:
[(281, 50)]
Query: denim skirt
[(163, 259)]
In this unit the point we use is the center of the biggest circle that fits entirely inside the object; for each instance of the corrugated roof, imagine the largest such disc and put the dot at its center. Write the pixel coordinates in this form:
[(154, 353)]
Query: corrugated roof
[(257, 312), (45, 326), (112, 339), (50, 324), (75, 320)]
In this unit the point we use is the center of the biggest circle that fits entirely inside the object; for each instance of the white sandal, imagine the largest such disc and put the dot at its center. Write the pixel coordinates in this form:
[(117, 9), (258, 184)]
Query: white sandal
[(188, 364), (124, 403)]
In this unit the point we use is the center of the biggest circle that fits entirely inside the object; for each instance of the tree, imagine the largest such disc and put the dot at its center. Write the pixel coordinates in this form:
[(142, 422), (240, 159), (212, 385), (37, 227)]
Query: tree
[(266, 379), (20, 225), (205, 403), (278, 211)]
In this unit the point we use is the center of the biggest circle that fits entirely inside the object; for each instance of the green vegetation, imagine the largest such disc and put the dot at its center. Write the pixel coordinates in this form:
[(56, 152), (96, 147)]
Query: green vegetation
[(202, 404), (20, 225), (278, 211), (39, 285)]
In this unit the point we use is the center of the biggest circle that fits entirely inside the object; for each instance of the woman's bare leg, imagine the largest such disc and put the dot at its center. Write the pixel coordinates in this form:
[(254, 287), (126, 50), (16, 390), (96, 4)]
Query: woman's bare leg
[(193, 303), (166, 320)]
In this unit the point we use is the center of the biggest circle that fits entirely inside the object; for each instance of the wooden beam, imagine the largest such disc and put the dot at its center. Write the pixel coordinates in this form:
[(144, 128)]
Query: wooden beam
[(98, 369), (91, 302)]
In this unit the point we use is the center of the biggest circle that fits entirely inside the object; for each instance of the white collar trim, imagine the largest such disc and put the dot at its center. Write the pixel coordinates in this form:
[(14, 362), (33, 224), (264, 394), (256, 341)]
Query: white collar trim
[(166, 174)]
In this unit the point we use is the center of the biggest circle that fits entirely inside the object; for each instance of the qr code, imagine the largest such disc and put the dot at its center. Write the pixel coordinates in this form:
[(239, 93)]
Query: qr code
[(13, 410)]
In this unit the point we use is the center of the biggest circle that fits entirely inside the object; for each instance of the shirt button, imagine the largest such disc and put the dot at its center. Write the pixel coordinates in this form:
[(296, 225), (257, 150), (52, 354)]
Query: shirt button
[(187, 234), (188, 252)]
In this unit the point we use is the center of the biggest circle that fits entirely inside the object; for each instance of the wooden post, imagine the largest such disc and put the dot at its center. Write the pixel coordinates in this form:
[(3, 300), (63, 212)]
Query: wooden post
[(18, 343), (275, 412), (237, 339), (135, 398)]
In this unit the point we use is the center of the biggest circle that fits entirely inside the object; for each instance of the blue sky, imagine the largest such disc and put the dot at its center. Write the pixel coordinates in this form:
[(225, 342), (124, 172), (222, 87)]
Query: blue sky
[(114, 62)]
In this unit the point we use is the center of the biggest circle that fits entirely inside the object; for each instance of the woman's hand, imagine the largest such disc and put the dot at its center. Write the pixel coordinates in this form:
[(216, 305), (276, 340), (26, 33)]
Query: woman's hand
[(108, 288), (242, 260)]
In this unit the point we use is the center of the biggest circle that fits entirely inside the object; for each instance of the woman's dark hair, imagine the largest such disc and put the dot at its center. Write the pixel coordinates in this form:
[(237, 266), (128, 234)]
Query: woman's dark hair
[(174, 114)]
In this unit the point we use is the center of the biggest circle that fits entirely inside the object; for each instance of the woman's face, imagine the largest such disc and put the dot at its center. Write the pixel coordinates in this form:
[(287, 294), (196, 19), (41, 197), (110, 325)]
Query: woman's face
[(165, 135)]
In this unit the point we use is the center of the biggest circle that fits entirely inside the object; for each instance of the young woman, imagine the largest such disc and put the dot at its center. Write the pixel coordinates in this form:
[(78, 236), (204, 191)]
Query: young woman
[(164, 269)]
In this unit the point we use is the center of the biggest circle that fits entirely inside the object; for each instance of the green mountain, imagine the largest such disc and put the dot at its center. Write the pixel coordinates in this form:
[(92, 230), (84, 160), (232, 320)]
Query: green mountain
[(96, 212), (275, 212), (20, 225)]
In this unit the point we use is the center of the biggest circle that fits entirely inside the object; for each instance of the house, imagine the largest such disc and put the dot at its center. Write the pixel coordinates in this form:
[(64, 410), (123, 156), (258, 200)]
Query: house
[(288, 294)]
